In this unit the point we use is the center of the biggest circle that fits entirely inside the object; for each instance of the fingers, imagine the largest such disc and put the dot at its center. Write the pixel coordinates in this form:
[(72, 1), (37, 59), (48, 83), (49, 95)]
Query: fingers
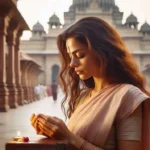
[(32, 117), (49, 129), (46, 125), (47, 119), (35, 123), (34, 120), (39, 132), (45, 130), (52, 127), (53, 123)]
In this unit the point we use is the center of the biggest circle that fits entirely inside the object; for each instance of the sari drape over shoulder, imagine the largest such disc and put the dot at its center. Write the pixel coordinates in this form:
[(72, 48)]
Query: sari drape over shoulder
[(93, 119)]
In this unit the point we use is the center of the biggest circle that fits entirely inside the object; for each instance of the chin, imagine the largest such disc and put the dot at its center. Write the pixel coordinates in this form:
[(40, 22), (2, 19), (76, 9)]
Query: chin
[(82, 77)]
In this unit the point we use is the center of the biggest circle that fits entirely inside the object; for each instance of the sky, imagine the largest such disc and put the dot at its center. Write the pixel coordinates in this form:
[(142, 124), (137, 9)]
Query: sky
[(42, 10)]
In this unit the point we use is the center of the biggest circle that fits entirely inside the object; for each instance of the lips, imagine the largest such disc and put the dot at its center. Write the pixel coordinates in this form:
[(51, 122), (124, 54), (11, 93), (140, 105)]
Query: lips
[(78, 71)]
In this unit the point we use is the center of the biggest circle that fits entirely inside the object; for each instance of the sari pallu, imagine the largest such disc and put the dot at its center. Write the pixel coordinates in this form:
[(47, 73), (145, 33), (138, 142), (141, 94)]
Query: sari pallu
[(93, 119)]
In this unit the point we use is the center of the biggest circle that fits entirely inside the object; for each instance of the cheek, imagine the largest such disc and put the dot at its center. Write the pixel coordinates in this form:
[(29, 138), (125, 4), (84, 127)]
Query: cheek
[(91, 61), (86, 64), (93, 67), (90, 64)]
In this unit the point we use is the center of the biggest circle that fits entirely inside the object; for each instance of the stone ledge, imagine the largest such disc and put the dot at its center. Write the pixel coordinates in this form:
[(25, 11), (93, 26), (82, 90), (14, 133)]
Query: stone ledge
[(37, 144)]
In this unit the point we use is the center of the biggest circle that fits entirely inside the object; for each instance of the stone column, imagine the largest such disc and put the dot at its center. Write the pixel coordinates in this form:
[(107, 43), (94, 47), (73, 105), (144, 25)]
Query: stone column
[(23, 83), (29, 82), (20, 90), (13, 102), (32, 82), (28, 79), (25, 66), (4, 105), (34, 79)]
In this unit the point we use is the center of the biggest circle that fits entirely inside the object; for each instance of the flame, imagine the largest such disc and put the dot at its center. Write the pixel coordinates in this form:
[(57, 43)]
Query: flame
[(18, 133)]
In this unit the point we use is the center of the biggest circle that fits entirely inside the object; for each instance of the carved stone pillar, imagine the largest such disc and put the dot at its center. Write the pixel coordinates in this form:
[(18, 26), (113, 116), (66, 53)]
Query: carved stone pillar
[(34, 80), (23, 83), (28, 77), (31, 71), (4, 105), (25, 66), (19, 87), (11, 37), (34, 77)]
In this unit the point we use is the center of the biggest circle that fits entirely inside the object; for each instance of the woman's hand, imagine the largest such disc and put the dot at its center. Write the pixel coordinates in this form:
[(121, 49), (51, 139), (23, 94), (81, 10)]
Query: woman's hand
[(33, 120), (52, 127), (56, 129)]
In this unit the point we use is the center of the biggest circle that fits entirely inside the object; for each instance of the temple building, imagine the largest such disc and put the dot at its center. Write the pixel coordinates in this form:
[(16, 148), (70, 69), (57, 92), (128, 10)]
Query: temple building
[(42, 45), (17, 69)]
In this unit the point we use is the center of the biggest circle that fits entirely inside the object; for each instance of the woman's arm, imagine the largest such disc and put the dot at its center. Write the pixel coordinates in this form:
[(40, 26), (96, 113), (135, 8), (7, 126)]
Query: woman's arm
[(129, 145), (56, 128), (77, 142), (129, 131)]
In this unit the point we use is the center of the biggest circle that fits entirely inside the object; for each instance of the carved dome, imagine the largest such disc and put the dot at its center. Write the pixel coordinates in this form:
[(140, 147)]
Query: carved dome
[(131, 19), (38, 27), (54, 20), (82, 4), (72, 8), (145, 28), (116, 9)]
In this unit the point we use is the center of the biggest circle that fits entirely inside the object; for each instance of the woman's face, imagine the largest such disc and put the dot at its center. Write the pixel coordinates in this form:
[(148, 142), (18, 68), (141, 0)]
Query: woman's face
[(82, 60)]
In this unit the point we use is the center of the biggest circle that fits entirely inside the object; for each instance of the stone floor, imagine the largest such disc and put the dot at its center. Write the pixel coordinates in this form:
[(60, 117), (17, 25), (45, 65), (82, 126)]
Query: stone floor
[(19, 119)]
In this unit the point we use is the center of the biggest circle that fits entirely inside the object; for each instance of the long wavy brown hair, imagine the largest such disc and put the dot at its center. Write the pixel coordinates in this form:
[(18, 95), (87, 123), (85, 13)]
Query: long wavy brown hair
[(116, 63)]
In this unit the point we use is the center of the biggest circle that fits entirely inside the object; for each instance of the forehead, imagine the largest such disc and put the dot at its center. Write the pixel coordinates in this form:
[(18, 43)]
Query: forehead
[(72, 41), (73, 44)]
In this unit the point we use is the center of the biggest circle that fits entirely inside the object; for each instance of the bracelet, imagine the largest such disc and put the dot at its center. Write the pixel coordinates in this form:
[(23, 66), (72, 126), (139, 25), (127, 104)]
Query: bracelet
[(83, 144)]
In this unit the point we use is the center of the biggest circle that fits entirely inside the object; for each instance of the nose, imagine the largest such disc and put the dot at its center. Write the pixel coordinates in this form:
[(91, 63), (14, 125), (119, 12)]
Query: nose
[(73, 63)]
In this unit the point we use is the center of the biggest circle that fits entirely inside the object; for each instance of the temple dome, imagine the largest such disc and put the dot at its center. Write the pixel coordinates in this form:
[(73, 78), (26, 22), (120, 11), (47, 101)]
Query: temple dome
[(54, 20), (145, 28), (116, 9), (81, 4), (38, 27), (71, 8), (131, 19)]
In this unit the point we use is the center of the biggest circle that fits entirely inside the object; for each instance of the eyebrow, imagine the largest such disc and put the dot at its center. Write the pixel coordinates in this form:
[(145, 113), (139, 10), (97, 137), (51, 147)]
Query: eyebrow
[(75, 51)]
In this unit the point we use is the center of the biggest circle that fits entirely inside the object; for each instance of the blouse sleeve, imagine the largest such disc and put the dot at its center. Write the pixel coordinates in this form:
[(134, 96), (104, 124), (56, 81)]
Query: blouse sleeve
[(130, 128)]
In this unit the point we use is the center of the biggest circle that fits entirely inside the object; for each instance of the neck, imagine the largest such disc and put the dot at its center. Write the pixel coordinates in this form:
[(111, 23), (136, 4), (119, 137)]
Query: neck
[(99, 84)]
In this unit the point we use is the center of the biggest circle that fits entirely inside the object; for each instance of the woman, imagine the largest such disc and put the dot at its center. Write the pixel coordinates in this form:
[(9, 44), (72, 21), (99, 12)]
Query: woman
[(108, 103)]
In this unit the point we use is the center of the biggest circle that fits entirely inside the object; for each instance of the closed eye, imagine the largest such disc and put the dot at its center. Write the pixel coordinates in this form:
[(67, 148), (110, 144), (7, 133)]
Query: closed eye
[(77, 55), (81, 56)]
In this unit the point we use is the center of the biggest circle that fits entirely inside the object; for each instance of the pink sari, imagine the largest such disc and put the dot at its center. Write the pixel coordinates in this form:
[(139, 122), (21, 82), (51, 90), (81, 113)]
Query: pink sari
[(93, 119)]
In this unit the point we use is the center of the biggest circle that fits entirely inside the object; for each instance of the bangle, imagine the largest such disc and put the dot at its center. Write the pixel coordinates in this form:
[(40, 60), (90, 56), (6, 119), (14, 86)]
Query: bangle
[(83, 144)]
